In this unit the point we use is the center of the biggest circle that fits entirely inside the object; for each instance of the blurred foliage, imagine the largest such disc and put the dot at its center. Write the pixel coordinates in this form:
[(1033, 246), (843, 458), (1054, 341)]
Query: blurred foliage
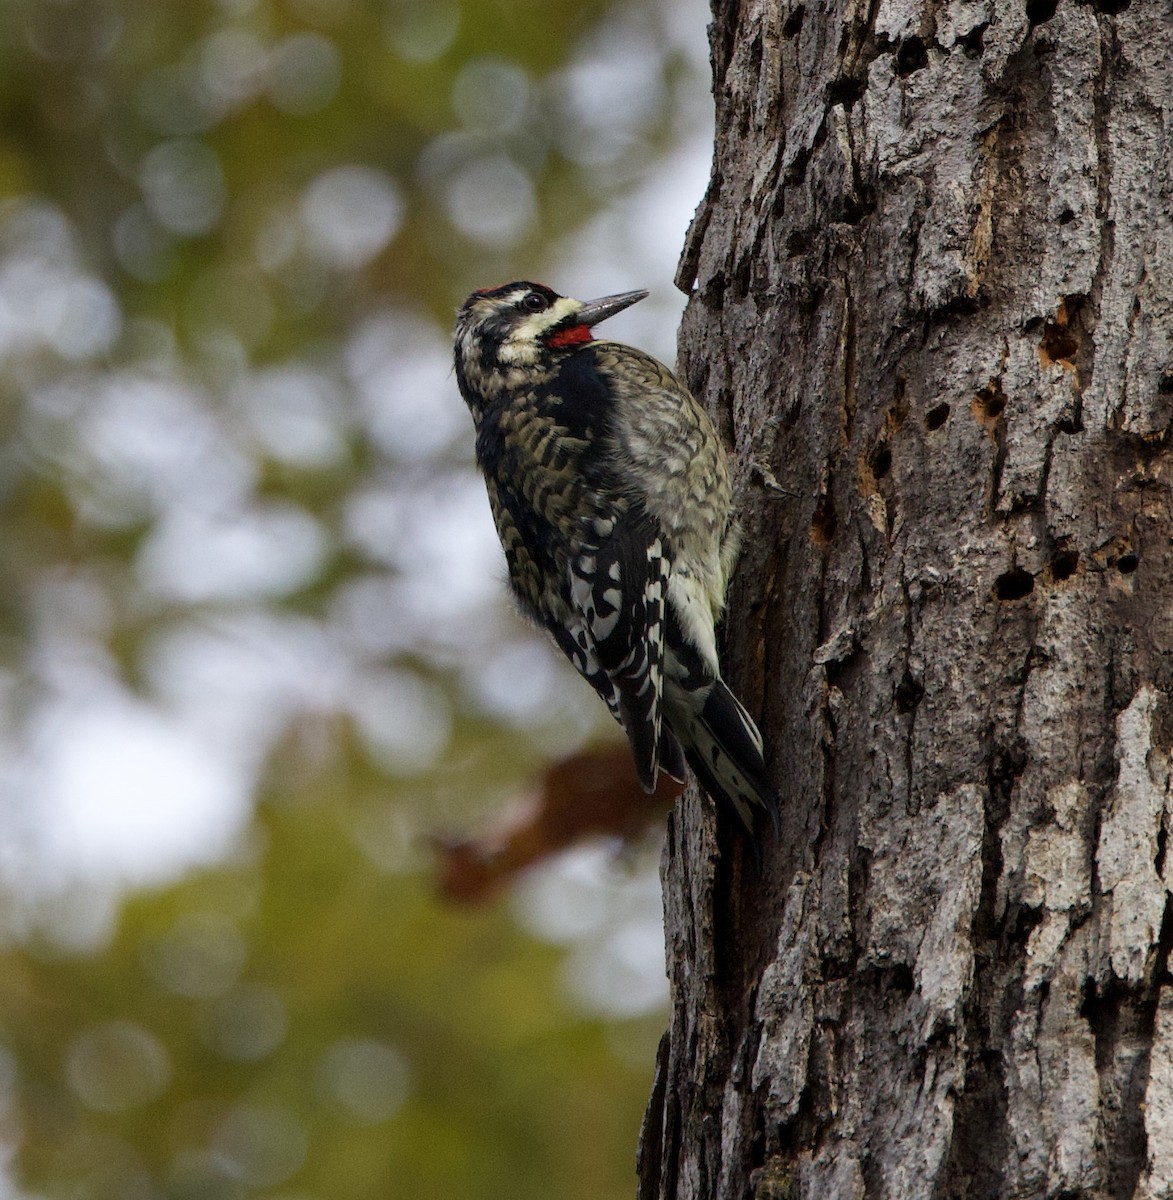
[(307, 1018), (250, 601)]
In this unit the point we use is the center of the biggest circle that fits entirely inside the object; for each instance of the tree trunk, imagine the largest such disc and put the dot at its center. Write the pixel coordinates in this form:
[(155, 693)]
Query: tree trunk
[(932, 291)]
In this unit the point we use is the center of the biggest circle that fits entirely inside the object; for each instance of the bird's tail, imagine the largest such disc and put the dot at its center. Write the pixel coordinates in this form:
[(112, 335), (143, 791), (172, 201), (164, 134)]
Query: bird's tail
[(724, 749)]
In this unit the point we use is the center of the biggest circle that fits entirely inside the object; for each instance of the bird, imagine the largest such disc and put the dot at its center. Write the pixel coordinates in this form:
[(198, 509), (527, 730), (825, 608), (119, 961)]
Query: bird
[(610, 492)]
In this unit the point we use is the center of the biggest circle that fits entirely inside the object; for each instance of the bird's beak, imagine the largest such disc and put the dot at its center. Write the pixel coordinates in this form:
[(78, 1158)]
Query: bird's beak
[(595, 311)]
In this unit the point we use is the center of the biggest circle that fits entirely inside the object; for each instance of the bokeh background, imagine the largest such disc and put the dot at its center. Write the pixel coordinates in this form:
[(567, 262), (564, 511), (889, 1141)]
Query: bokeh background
[(254, 639)]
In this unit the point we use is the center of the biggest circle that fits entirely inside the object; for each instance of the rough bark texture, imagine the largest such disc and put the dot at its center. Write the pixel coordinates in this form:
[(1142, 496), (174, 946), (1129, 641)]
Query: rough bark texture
[(932, 290)]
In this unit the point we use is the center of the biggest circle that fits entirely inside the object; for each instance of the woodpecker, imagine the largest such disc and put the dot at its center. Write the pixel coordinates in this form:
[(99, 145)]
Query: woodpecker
[(610, 492)]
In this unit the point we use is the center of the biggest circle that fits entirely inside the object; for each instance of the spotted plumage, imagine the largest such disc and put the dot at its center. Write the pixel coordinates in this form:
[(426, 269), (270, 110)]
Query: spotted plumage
[(611, 496)]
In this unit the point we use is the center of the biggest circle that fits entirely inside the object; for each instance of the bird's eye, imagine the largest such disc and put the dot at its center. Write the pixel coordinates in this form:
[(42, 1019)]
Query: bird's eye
[(535, 302)]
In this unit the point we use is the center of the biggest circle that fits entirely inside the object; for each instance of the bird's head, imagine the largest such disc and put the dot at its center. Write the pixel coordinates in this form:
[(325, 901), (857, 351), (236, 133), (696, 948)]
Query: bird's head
[(505, 333)]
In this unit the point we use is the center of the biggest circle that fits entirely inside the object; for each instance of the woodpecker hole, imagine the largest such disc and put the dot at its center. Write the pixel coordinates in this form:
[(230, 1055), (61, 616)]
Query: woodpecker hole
[(973, 43), (880, 460), (796, 172), (1039, 11), (1066, 216), (1088, 1007), (857, 206), (1064, 565), (909, 693), (989, 403), (1165, 382), (936, 417), (846, 90), (911, 56), (1013, 585), (797, 243), (824, 523), (1127, 563), (1059, 344), (793, 22)]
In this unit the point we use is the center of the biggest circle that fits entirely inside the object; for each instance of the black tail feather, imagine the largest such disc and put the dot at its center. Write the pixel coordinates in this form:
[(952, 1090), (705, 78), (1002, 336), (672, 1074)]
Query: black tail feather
[(724, 750)]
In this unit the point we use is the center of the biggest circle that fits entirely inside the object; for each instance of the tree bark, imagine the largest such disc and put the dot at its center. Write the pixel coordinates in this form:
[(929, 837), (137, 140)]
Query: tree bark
[(932, 291)]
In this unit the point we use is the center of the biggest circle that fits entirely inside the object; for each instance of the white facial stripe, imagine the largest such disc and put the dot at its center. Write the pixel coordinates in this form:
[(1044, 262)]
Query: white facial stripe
[(522, 347), (537, 325), (562, 308)]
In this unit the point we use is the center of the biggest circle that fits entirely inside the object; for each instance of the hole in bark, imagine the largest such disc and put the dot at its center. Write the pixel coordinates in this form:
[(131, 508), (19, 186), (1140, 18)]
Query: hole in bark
[(793, 22), (846, 90), (881, 460), (1025, 920), (895, 977), (993, 403), (911, 56), (909, 693), (990, 402), (1064, 565), (936, 417), (1066, 216), (796, 172), (959, 305), (1090, 997), (1013, 585), (1165, 383), (857, 206), (1059, 344), (824, 522), (797, 243), (973, 43), (1008, 765), (1038, 11), (903, 978), (1127, 563)]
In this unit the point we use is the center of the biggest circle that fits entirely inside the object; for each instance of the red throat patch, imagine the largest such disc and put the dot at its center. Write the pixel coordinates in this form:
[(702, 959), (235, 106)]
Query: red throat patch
[(575, 335)]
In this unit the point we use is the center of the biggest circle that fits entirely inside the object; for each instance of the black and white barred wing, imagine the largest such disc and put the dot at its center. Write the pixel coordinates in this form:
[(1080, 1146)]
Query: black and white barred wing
[(574, 641), (618, 590)]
